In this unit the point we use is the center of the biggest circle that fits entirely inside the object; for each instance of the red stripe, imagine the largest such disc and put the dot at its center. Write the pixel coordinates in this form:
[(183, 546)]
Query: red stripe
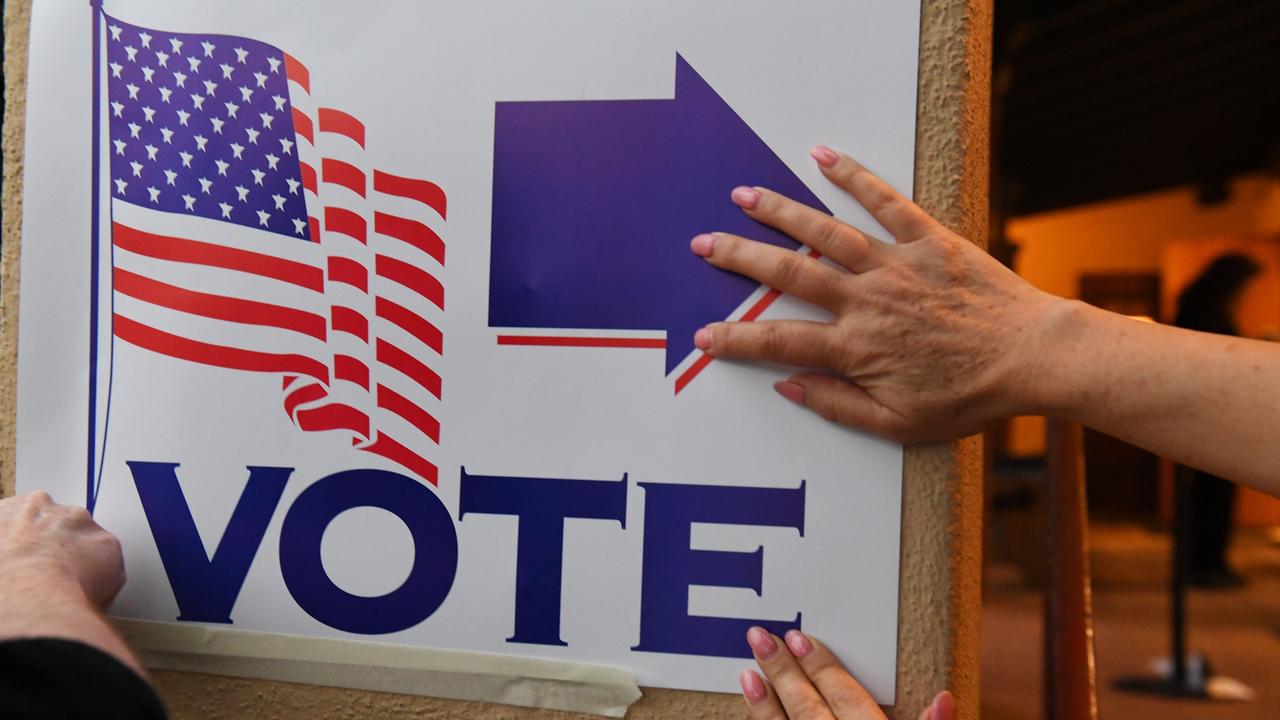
[(344, 174), (412, 232), (309, 178), (411, 322), (395, 452), (427, 193), (393, 401), (195, 252), (350, 369), (287, 380), (149, 338), (349, 321), (414, 278), (334, 416), (595, 342), (297, 72), (398, 359), (313, 221), (307, 393), (346, 270), (247, 312), (344, 221), (751, 314), (336, 121), (302, 126)]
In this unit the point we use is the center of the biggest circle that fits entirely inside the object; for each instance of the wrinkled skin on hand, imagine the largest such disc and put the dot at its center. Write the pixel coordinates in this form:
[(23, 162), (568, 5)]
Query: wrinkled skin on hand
[(42, 538)]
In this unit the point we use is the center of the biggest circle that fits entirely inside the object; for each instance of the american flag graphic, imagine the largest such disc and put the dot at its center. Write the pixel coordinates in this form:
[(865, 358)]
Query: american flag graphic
[(249, 232)]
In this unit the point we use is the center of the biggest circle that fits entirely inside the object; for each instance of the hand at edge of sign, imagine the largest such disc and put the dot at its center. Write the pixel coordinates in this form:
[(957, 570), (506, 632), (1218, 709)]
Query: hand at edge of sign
[(805, 681), (927, 335)]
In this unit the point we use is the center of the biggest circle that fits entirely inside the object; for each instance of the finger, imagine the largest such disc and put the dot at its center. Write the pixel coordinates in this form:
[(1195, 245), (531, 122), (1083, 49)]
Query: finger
[(787, 270), (845, 696), (792, 342), (943, 707), (762, 704), (799, 697), (897, 214), (842, 402), (828, 236)]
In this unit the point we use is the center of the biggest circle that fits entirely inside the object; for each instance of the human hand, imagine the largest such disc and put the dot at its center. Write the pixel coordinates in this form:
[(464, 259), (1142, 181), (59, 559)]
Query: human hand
[(807, 682), (48, 543), (929, 338)]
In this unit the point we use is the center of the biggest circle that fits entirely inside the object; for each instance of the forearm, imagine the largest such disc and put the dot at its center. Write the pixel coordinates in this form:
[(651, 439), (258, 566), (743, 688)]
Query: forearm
[(1208, 401)]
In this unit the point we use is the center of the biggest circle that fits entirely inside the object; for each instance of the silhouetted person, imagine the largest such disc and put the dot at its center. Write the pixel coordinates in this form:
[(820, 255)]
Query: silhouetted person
[(1209, 304)]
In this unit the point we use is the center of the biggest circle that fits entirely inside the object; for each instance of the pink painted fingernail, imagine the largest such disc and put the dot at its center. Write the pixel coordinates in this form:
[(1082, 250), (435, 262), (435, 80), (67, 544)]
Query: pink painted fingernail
[(761, 641), (798, 643), (752, 686), (745, 197), (703, 244), (790, 390), (702, 339), (825, 156)]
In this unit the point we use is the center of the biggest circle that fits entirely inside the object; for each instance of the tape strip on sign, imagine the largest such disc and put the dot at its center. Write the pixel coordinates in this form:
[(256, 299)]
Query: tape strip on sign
[(359, 665)]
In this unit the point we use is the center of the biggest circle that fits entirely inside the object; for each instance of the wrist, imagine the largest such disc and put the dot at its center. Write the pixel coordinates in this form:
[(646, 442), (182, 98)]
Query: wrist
[(1045, 379)]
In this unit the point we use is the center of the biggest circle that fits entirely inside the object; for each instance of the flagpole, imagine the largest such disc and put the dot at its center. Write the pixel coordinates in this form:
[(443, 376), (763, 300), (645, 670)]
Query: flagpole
[(94, 269)]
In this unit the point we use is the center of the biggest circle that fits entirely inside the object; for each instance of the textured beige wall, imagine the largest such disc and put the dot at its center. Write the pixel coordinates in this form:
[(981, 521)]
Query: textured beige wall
[(942, 499)]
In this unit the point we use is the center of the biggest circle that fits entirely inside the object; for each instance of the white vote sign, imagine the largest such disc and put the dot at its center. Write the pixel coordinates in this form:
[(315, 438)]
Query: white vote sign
[(375, 320)]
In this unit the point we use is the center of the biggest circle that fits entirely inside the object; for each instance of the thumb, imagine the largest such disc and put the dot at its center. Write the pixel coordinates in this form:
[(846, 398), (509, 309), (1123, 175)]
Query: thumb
[(943, 707), (841, 402)]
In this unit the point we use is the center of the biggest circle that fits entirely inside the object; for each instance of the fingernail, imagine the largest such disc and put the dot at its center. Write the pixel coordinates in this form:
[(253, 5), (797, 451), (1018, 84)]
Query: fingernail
[(702, 339), (825, 156), (752, 686), (761, 641), (745, 197), (702, 245), (944, 706), (787, 389), (798, 643)]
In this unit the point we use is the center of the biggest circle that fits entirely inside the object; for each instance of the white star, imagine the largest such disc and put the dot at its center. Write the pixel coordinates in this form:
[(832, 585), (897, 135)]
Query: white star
[(133, 91), (137, 168), (246, 94), (120, 145), (183, 116), (133, 129), (189, 201), (176, 45), (226, 209), (279, 201), (209, 87), (151, 151), (167, 135), (208, 48), (253, 135), (115, 32), (222, 167), (115, 69), (266, 120), (257, 176), (200, 141), (198, 101), (261, 79), (299, 225), (242, 193), (205, 184), (148, 73), (241, 54), (186, 158), (286, 146), (121, 185), (226, 71), (164, 94), (155, 195), (279, 101), (262, 217), (132, 52), (171, 177), (293, 185), (162, 59), (145, 38), (236, 150), (180, 79), (274, 63), (272, 161), (217, 125), (193, 63), (148, 114), (232, 109), (117, 109)]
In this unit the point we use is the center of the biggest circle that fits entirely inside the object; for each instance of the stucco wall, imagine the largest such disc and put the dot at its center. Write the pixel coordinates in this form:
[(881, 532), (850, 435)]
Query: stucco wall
[(942, 499)]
